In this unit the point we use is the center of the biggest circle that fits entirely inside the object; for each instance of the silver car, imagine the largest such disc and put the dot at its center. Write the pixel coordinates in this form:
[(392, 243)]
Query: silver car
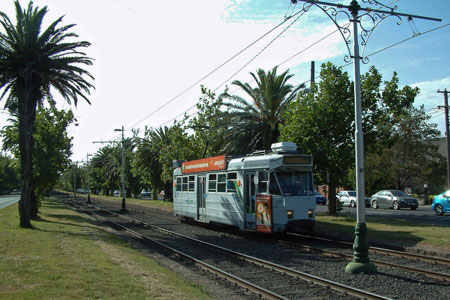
[(348, 198), (393, 199)]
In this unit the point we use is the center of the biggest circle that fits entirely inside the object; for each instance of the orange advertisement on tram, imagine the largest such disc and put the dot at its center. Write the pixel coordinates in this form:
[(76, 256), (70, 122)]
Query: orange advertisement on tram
[(264, 213), (204, 164)]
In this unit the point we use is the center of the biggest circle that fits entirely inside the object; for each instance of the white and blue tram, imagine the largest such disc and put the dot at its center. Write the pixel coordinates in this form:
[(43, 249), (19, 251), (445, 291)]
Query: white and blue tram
[(262, 192)]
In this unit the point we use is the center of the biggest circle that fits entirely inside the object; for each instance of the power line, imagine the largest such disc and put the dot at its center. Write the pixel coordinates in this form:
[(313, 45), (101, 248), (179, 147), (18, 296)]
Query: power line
[(213, 71), (410, 38), (245, 65), (343, 66)]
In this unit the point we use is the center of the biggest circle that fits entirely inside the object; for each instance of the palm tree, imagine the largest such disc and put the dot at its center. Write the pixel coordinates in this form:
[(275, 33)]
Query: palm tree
[(32, 62), (255, 124)]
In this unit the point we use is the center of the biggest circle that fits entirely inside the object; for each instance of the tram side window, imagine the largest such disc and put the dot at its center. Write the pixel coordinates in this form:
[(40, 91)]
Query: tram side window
[(232, 178), (221, 183), (212, 179), (179, 183), (191, 185), (185, 183), (263, 179)]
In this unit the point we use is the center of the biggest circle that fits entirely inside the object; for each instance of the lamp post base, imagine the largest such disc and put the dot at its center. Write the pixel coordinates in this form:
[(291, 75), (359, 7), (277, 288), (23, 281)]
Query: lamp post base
[(358, 268), (361, 262), (124, 207)]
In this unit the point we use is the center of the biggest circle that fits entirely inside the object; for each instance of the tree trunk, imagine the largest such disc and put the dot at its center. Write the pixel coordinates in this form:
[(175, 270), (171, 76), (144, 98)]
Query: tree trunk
[(332, 196), (27, 118), (27, 178), (34, 205)]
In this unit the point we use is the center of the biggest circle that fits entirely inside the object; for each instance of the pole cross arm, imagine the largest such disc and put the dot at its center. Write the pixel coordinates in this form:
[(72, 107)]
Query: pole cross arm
[(369, 10), (372, 16)]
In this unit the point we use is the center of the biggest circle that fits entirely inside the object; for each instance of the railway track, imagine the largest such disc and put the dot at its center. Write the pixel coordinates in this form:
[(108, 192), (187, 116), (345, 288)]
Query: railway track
[(433, 267), (263, 278), (426, 265)]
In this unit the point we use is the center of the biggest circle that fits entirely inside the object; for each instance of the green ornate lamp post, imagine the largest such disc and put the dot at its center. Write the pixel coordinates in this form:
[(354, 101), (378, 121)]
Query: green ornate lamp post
[(349, 31)]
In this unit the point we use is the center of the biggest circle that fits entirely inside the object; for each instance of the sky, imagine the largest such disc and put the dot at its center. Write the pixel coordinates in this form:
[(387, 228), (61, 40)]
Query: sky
[(150, 57)]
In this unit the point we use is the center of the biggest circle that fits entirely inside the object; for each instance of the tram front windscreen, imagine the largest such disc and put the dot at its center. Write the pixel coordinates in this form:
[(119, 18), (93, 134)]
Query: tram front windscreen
[(293, 183)]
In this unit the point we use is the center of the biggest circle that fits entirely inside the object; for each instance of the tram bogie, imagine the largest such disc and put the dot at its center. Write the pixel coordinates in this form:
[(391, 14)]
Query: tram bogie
[(265, 192)]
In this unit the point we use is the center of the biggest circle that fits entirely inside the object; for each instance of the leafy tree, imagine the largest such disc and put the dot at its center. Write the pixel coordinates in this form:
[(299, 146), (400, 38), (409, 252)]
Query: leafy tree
[(321, 123), (105, 169), (132, 182), (156, 152), (31, 62), (210, 125), (254, 124), (9, 174), (52, 148), (397, 138), (413, 155)]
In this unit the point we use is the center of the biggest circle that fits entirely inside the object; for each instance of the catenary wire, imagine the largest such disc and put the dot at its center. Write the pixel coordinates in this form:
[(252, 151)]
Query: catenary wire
[(343, 66), (212, 72)]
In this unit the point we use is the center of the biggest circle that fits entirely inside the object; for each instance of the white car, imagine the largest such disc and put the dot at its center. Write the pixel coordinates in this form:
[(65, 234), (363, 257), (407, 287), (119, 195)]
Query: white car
[(348, 198)]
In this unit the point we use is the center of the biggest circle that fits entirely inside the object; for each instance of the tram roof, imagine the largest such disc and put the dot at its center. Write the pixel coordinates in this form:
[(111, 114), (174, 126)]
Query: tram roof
[(269, 161)]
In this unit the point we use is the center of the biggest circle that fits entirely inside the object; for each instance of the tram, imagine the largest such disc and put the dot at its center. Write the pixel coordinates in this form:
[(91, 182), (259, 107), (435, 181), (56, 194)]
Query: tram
[(262, 192)]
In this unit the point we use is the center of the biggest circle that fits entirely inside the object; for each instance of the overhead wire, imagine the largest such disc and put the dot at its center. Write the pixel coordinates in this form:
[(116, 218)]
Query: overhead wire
[(310, 46), (241, 68), (211, 72), (240, 52)]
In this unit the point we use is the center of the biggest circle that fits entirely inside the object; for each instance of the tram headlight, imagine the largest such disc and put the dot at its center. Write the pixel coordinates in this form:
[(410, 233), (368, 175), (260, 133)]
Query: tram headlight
[(310, 213), (290, 214)]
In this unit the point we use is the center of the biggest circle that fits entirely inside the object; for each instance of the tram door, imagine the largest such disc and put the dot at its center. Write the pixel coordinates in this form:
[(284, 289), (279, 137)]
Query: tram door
[(201, 190), (250, 200)]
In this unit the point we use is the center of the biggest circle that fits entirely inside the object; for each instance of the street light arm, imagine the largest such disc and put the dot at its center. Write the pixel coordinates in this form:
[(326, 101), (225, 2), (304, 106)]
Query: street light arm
[(369, 10)]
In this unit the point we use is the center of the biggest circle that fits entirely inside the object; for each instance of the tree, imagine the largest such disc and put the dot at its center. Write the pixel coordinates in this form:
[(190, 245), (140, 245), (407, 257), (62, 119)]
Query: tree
[(105, 169), (156, 152), (52, 148), (413, 155), (321, 123), (398, 140), (255, 124), (9, 174), (31, 62), (209, 125)]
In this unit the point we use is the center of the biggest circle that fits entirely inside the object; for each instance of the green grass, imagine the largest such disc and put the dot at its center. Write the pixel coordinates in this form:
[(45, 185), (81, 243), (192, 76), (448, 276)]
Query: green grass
[(66, 256), (146, 202), (384, 230)]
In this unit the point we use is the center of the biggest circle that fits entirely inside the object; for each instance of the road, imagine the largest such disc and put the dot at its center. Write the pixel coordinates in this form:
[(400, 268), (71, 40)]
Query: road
[(423, 214), (6, 200)]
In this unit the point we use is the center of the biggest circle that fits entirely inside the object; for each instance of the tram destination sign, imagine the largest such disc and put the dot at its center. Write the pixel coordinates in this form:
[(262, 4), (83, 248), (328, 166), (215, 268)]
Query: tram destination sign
[(297, 160), (204, 164)]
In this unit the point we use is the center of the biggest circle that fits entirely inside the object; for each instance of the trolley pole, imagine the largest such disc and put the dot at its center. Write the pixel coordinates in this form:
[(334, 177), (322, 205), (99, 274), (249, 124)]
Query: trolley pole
[(445, 92), (361, 262)]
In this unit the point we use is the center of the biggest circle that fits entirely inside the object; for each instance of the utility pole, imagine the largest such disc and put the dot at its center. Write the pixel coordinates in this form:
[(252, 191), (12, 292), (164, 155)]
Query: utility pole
[(124, 208), (349, 31), (89, 177), (445, 92)]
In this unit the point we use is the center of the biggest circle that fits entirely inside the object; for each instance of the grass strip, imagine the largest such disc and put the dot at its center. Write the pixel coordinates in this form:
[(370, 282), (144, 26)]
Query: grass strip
[(387, 230), (67, 256)]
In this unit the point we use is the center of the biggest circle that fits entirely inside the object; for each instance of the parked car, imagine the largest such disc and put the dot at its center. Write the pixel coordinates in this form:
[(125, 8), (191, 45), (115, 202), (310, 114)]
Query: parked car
[(441, 203), (393, 199), (348, 198), (146, 193), (320, 199), (116, 193)]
